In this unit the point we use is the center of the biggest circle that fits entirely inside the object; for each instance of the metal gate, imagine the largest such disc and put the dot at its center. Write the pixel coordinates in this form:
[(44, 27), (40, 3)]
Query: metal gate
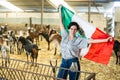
[(22, 70)]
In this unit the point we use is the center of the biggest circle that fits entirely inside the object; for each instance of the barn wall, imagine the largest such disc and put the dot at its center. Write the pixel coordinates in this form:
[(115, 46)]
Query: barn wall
[(97, 20), (117, 22), (117, 14), (24, 18)]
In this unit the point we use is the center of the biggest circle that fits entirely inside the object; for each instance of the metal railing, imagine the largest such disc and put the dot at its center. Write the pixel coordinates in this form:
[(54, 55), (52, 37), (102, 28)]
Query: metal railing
[(22, 70)]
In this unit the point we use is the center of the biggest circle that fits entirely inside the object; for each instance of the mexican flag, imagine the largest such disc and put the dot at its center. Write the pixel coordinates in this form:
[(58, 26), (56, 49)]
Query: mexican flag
[(97, 52)]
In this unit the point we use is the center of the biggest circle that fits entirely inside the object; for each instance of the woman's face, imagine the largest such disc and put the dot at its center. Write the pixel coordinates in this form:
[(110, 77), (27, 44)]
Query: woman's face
[(73, 30)]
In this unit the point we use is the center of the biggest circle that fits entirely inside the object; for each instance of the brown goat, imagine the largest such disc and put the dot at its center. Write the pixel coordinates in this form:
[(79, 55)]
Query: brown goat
[(57, 39), (34, 35)]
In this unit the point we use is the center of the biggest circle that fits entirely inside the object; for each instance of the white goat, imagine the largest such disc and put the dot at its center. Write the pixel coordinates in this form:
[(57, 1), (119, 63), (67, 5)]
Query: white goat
[(5, 53)]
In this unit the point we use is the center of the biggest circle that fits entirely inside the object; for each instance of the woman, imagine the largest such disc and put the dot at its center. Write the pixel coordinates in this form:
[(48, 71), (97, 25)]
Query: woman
[(70, 47)]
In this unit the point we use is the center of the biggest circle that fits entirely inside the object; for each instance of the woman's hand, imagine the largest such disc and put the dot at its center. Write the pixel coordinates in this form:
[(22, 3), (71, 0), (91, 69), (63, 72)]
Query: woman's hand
[(109, 39), (60, 6)]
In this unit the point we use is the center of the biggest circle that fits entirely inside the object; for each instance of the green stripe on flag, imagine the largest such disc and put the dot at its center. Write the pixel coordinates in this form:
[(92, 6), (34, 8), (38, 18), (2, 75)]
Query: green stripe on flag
[(66, 16)]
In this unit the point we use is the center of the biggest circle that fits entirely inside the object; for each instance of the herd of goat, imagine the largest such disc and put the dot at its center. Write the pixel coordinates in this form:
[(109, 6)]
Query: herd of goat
[(29, 42), (26, 41)]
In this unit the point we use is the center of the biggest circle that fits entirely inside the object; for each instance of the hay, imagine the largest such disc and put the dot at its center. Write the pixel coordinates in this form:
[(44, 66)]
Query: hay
[(104, 72)]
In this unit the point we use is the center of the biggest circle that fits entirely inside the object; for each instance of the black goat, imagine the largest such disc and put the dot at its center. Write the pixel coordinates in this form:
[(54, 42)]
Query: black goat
[(46, 36), (3, 29), (30, 48), (30, 38), (116, 49), (20, 47)]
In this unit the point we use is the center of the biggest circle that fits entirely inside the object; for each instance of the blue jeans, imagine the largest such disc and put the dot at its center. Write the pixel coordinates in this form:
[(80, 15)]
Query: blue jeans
[(63, 73)]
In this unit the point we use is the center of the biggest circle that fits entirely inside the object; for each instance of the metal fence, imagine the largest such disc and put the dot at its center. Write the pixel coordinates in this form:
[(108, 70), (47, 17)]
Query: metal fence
[(22, 70)]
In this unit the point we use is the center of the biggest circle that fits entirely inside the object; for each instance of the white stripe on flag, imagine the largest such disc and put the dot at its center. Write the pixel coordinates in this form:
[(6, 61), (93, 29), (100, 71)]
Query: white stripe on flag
[(84, 51), (88, 28)]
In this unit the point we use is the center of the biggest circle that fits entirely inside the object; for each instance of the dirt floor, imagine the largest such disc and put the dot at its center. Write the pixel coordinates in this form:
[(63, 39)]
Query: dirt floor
[(103, 72)]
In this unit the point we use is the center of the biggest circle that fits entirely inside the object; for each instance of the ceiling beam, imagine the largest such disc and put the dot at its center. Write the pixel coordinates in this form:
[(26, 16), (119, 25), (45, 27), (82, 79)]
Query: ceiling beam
[(78, 0), (101, 1), (51, 3)]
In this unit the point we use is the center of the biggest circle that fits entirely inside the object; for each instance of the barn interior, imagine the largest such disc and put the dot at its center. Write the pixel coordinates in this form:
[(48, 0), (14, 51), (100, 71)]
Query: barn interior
[(104, 14)]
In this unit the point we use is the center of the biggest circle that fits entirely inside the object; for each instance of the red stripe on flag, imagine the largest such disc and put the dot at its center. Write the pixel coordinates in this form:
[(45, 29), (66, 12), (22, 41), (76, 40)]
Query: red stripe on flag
[(100, 52), (98, 34)]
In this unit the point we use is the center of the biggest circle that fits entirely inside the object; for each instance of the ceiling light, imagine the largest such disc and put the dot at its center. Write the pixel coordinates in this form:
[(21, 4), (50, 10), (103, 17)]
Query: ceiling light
[(9, 6), (29, 10)]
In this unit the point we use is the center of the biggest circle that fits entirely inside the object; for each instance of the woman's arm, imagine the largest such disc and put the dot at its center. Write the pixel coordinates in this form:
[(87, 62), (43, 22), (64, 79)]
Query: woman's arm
[(100, 40), (60, 17)]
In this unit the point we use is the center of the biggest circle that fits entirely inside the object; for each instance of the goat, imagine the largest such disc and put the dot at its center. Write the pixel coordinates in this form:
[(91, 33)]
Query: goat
[(29, 38), (30, 48), (34, 35), (46, 33), (5, 53), (20, 48), (116, 49), (57, 39), (45, 30), (51, 35), (12, 41), (46, 36), (3, 29)]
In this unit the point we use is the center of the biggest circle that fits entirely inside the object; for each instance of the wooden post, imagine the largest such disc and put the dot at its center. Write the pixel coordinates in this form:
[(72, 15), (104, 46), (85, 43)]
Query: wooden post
[(89, 7), (42, 11), (30, 20)]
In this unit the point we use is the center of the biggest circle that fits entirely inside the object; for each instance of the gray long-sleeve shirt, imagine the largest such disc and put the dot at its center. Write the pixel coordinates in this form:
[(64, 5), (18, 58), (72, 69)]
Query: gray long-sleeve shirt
[(70, 48)]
